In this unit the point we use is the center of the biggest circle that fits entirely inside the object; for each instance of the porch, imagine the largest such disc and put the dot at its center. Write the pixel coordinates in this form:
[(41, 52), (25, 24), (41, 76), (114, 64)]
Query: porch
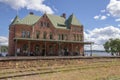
[(44, 47)]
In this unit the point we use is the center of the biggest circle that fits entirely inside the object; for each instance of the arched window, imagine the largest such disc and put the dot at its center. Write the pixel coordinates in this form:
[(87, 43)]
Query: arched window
[(44, 35), (51, 35)]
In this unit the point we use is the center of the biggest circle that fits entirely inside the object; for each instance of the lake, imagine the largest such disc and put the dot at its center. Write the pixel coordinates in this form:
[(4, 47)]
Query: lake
[(97, 53)]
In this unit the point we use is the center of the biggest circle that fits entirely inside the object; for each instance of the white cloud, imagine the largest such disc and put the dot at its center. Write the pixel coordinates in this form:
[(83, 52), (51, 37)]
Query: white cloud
[(100, 35), (114, 8), (117, 20), (102, 11), (103, 17), (36, 5), (96, 17), (100, 17), (3, 40), (108, 14), (118, 25)]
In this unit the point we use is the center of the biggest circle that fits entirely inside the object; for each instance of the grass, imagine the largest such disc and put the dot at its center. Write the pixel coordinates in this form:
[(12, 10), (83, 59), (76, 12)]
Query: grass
[(99, 69)]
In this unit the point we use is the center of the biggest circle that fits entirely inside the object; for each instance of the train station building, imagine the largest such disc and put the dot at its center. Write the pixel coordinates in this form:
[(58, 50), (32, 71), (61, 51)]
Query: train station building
[(46, 35)]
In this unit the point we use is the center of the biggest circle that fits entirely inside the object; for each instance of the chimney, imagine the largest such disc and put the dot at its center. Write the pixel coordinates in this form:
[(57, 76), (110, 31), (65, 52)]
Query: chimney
[(63, 15), (31, 13)]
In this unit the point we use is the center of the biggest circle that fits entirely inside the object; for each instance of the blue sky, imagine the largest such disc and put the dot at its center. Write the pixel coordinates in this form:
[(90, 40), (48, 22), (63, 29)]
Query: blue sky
[(101, 18)]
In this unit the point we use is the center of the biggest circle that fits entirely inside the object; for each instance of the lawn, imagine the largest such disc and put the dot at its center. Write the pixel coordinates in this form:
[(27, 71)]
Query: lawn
[(98, 69)]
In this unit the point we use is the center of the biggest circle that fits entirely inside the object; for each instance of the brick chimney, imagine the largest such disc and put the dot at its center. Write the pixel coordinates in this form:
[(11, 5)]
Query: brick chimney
[(31, 13), (63, 15)]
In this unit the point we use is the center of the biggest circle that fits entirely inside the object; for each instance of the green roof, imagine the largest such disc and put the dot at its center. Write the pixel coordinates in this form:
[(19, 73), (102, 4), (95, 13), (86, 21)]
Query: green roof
[(29, 20), (73, 20), (57, 21), (15, 21)]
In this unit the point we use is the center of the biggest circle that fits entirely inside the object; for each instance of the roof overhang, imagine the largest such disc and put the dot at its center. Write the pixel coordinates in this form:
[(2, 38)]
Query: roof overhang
[(51, 40)]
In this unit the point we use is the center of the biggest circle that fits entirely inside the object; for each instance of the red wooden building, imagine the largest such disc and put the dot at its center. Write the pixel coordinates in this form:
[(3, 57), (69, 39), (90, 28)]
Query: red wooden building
[(46, 35)]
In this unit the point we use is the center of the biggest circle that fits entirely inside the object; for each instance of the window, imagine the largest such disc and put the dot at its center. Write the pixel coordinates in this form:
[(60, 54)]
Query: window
[(66, 37), (81, 38), (59, 37), (37, 34), (23, 34), (62, 37), (41, 23), (28, 34), (74, 37), (47, 24), (77, 37), (44, 35), (51, 35)]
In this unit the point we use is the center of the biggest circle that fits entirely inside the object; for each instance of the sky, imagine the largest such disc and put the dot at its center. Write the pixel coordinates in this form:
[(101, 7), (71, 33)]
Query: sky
[(101, 18)]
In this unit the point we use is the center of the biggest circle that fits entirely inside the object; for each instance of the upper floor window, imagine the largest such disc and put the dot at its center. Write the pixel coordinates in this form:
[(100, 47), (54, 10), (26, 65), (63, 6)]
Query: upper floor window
[(81, 37), (47, 24), (23, 34), (51, 35), (62, 36), (28, 34), (78, 37), (66, 37), (74, 37), (41, 23), (59, 36), (44, 35), (37, 34)]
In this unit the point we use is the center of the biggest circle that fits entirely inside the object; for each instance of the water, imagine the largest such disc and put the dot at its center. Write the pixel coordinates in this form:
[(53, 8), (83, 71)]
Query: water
[(94, 53)]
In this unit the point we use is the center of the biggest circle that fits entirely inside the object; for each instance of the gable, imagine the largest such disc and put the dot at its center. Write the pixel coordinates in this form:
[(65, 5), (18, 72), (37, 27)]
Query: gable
[(57, 21)]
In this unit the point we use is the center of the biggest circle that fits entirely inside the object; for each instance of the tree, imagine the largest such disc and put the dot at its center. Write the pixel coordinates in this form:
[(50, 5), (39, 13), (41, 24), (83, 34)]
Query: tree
[(112, 46)]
